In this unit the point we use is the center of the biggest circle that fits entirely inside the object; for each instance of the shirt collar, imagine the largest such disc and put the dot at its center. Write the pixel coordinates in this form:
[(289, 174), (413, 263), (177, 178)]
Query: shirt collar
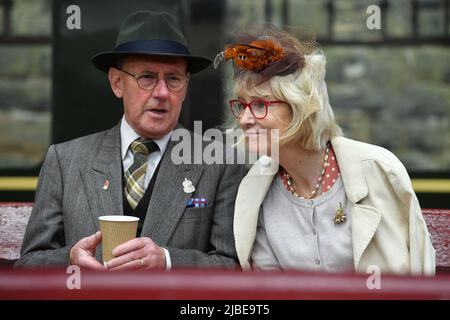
[(128, 135)]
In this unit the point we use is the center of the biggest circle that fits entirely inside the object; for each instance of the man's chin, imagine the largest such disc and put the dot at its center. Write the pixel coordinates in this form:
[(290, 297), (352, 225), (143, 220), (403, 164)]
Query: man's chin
[(155, 132)]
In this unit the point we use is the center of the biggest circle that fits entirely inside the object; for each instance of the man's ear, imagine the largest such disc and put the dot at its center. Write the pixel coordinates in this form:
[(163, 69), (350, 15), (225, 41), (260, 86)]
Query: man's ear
[(116, 82)]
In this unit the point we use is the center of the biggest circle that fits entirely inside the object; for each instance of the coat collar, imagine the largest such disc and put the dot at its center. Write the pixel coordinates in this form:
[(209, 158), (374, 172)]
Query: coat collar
[(350, 165), (365, 218), (168, 201), (251, 194), (102, 178)]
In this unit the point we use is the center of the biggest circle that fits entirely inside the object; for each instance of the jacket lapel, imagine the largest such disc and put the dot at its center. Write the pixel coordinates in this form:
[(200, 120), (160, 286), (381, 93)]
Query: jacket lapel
[(248, 202), (364, 218), (105, 169), (365, 221), (168, 200)]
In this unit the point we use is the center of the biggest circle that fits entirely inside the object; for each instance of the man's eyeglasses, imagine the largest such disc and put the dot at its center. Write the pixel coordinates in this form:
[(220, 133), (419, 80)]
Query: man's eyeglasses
[(149, 80), (257, 107)]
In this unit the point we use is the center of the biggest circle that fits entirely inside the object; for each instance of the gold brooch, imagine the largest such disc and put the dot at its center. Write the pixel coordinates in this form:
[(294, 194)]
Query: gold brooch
[(340, 216)]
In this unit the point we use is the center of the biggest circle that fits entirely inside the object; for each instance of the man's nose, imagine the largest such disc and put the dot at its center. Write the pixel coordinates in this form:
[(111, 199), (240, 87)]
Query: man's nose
[(161, 90), (246, 118)]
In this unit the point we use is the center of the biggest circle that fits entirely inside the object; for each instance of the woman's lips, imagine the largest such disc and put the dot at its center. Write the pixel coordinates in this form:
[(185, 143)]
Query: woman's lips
[(251, 132)]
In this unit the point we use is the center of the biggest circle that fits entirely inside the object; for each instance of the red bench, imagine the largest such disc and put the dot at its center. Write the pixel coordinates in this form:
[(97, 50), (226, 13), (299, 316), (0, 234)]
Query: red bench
[(13, 221), (14, 218), (438, 222)]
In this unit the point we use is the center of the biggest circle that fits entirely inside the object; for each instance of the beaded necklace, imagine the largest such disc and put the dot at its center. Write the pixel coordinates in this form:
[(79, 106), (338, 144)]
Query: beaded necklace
[(290, 185)]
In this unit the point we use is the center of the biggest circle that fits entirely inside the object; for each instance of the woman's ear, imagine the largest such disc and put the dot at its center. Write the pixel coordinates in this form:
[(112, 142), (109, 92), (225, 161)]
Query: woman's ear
[(116, 82)]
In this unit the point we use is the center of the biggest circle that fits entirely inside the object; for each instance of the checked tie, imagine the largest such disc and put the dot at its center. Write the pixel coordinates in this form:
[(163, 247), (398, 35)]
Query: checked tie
[(135, 175)]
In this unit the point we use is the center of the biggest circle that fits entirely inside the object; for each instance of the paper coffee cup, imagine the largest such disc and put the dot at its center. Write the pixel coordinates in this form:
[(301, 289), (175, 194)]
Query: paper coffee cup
[(115, 231)]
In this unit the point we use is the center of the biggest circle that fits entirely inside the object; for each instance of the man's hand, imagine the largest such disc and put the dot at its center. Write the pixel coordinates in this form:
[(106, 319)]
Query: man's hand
[(82, 253), (140, 253)]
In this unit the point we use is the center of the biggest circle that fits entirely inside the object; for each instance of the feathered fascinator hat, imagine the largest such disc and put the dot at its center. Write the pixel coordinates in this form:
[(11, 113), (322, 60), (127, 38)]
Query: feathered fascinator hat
[(267, 51)]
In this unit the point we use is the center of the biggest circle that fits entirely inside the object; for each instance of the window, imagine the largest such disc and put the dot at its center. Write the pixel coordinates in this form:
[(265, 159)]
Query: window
[(25, 82)]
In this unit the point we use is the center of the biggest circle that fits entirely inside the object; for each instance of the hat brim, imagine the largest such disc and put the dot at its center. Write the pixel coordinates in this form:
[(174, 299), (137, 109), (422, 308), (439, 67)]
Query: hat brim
[(106, 60)]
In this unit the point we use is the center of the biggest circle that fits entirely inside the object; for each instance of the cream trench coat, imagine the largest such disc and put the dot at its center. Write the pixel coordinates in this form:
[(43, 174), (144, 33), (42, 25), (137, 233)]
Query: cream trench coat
[(388, 229)]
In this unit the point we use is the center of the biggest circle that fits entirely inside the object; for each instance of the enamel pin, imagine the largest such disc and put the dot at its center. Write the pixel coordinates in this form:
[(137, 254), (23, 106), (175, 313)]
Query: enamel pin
[(106, 185)]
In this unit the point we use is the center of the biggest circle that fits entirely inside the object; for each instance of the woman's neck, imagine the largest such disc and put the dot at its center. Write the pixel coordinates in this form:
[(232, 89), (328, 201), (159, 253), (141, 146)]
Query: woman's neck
[(303, 166)]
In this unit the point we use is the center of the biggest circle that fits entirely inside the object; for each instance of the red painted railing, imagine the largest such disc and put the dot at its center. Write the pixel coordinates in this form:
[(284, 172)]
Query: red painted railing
[(207, 284)]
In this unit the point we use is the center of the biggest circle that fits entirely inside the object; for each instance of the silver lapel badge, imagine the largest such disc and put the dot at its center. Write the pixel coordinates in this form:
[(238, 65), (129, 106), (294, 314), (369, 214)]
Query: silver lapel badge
[(187, 186)]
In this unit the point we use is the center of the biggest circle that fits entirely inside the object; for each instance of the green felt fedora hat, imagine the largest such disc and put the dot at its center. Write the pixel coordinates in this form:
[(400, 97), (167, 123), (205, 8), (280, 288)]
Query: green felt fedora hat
[(152, 34)]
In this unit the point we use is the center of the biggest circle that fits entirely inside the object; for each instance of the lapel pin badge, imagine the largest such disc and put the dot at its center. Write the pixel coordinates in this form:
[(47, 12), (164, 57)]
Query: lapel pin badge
[(187, 186), (106, 185)]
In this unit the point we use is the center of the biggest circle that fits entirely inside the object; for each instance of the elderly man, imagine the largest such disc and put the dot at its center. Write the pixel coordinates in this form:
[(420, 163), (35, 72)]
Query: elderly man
[(128, 169)]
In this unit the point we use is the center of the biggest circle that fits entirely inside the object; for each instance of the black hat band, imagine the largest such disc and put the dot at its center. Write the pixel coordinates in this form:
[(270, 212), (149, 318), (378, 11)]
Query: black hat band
[(154, 46)]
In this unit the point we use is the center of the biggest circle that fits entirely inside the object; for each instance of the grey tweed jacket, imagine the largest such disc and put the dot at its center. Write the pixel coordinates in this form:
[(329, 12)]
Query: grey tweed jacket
[(70, 198)]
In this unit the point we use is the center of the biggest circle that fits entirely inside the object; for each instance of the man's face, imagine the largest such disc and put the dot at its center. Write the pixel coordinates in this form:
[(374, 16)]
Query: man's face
[(151, 113)]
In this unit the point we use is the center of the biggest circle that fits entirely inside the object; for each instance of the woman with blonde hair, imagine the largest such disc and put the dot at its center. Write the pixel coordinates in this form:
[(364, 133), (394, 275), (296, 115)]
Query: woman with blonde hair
[(332, 203)]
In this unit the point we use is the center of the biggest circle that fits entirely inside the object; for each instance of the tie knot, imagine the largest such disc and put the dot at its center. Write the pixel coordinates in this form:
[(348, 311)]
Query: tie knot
[(143, 146)]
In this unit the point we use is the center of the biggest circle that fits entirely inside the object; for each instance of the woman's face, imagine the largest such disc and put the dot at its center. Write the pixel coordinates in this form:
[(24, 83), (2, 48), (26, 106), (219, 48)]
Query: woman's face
[(263, 134)]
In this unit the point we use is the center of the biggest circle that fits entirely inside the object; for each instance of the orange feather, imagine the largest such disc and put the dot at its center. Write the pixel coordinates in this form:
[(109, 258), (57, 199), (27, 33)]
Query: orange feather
[(256, 56)]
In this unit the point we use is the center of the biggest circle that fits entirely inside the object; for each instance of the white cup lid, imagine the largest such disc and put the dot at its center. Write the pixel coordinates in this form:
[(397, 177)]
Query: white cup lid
[(119, 218)]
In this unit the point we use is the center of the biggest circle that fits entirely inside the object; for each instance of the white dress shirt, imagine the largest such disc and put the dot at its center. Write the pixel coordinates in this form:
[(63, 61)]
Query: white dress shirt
[(127, 136)]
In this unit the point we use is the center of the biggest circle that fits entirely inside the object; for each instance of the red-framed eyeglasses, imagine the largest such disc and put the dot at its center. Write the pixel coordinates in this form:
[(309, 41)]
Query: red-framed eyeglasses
[(258, 107)]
